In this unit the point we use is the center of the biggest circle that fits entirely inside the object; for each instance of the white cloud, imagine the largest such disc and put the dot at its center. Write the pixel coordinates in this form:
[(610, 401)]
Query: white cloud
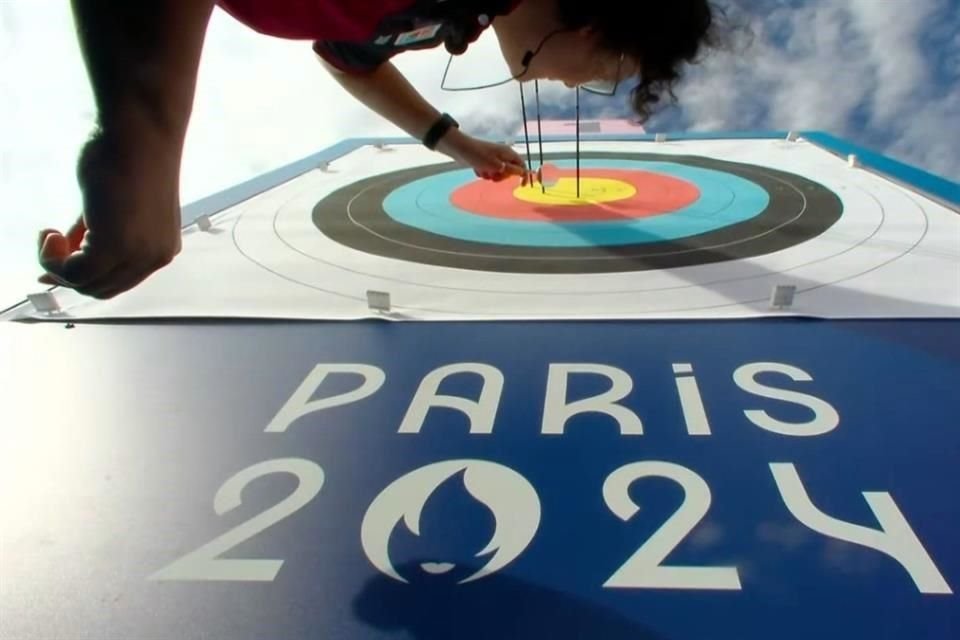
[(855, 68), (928, 136)]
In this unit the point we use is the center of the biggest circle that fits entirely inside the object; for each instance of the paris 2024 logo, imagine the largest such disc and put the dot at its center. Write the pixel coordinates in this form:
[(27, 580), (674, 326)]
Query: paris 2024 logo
[(508, 495)]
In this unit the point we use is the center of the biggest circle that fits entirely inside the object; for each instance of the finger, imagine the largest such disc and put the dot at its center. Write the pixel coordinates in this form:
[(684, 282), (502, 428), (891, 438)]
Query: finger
[(104, 284), (43, 236), (118, 280), (512, 157), (70, 267), (517, 162), (52, 251), (76, 233), (55, 242), (502, 172), (514, 165), (83, 267), (59, 249)]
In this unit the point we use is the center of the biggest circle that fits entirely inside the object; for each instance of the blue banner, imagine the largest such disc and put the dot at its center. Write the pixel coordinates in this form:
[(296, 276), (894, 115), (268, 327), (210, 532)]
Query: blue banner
[(746, 479)]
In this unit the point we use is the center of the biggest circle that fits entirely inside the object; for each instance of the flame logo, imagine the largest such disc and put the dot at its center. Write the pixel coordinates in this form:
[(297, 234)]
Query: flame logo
[(509, 496)]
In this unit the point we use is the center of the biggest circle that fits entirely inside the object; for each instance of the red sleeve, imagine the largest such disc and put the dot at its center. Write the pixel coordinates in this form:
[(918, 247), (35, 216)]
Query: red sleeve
[(346, 20), (353, 57)]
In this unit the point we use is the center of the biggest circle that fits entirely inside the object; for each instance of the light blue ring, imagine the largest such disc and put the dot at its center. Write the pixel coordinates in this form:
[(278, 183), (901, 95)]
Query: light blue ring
[(725, 199)]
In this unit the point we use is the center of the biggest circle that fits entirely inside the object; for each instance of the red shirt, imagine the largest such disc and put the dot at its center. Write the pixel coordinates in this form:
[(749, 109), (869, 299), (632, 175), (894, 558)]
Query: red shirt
[(357, 36)]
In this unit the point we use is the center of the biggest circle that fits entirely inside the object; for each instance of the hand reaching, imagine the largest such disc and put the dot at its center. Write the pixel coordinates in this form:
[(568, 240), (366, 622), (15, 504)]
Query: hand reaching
[(130, 226), (488, 160)]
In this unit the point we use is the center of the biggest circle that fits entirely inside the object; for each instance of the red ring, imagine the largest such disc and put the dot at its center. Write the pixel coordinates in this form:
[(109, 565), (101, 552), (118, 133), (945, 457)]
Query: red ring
[(656, 194)]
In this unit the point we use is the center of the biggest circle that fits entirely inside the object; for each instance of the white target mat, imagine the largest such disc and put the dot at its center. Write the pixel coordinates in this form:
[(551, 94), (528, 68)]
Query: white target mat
[(892, 253)]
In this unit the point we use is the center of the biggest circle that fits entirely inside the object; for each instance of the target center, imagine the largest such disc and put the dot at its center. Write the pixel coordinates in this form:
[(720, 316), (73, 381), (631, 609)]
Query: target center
[(564, 192)]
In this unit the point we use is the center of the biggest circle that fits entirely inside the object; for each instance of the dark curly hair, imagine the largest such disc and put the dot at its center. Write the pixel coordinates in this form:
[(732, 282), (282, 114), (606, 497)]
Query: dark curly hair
[(659, 35)]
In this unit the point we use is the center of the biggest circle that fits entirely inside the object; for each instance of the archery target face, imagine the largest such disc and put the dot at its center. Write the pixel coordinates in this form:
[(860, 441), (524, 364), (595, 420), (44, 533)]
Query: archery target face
[(635, 212), (682, 229)]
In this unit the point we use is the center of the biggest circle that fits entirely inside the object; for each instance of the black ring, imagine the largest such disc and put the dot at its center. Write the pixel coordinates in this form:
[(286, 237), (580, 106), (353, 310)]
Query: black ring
[(799, 210)]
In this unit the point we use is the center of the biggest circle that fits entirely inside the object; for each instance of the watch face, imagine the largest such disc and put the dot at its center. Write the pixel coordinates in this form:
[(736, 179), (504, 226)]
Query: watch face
[(438, 130)]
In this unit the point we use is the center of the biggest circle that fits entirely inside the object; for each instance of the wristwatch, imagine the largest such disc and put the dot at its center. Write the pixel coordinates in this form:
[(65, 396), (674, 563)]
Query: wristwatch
[(438, 130)]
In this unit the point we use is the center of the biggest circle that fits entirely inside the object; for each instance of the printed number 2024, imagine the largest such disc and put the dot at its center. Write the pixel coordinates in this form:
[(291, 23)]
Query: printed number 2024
[(644, 569)]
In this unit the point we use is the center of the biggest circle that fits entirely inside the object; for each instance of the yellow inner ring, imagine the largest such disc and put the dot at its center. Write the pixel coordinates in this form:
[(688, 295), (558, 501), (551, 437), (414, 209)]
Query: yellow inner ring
[(564, 192)]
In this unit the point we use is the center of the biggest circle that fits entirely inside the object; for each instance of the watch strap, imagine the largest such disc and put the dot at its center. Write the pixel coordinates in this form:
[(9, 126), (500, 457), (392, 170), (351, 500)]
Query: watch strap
[(438, 130)]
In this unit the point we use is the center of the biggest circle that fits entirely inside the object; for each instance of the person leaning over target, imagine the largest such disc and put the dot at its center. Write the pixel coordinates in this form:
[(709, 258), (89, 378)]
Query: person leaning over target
[(142, 59)]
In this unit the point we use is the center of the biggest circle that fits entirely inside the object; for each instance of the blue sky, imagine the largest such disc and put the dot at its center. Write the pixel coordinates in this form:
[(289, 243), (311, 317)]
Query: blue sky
[(882, 73)]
